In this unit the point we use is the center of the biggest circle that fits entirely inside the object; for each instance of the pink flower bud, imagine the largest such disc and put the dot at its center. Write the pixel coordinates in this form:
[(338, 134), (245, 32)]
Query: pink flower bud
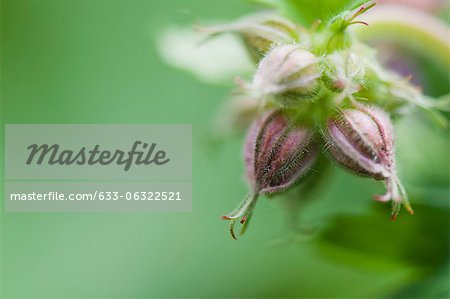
[(286, 74), (277, 153), (362, 141)]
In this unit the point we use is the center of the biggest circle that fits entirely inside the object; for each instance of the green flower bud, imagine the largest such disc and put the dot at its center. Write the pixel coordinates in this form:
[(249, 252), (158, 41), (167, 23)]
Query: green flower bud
[(344, 72)]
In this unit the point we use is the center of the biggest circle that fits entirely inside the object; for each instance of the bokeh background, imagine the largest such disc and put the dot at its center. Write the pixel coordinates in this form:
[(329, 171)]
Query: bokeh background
[(100, 61)]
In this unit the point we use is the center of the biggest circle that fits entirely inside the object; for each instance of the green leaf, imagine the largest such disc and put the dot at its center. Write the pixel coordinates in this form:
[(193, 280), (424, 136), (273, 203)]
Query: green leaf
[(372, 241)]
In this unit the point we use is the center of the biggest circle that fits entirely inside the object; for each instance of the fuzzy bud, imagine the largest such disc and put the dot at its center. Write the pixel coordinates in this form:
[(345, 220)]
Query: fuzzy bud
[(362, 141), (277, 153), (344, 72), (287, 73)]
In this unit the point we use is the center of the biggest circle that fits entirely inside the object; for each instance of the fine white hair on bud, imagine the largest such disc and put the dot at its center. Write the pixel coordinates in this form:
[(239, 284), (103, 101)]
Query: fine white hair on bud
[(344, 72), (310, 83), (286, 74), (361, 140), (277, 153)]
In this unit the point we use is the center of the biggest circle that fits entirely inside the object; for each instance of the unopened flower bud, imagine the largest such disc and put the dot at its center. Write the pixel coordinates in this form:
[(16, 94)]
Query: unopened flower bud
[(362, 141), (277, 153), (259, 32), (344, 72), (287, 73)]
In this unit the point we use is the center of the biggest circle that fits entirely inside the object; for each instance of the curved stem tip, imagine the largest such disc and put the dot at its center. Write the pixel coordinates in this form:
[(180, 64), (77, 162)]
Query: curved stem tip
[(244, 211), (397, 194)]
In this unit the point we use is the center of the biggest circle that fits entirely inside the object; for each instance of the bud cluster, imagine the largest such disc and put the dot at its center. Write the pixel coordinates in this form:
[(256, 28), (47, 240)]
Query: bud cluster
[(318, 91)]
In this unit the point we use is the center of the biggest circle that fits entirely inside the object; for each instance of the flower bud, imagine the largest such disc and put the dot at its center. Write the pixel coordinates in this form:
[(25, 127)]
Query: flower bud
[(362, 141), (344, 72), (259, 32), (277, 153), (287, 73)]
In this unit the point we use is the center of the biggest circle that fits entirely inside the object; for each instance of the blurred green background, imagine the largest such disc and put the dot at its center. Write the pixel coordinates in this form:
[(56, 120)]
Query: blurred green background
[(97, 61)]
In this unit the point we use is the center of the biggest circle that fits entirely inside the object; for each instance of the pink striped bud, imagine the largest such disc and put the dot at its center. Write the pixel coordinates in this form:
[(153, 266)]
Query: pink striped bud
[(277, 153), (362, 141)]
